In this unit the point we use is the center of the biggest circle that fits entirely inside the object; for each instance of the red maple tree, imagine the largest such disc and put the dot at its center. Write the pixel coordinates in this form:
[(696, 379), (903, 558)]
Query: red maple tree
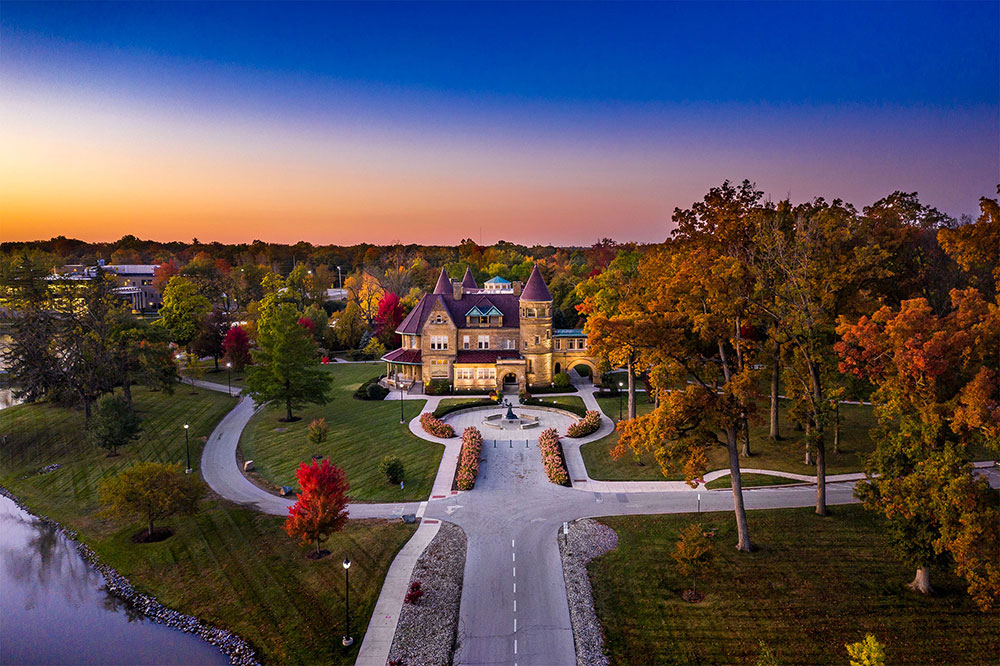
[(388, 318), (322, 506), (236, 346)]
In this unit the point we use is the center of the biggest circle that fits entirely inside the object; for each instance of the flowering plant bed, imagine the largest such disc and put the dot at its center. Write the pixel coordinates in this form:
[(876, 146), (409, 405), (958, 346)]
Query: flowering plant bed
[(435, 426), (585, 426), (552, 457), (468, 459)]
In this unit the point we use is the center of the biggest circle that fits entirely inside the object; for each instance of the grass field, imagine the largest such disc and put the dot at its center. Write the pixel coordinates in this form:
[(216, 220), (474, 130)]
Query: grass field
[(813, 585), (749, 481), (787, 455), (229, 566), (562, 401), (361, 433)]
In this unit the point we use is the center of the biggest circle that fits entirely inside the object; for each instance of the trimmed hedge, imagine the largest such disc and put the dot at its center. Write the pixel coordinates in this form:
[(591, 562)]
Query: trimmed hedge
[(538, 402), (552, 457), (545, 388), (371, 390), (435, 426), (468, 459), (444, 410), (588, 425)]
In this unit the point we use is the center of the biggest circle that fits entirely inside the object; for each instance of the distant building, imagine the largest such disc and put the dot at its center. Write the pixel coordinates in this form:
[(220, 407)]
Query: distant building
[(490, 338), (135, 282)]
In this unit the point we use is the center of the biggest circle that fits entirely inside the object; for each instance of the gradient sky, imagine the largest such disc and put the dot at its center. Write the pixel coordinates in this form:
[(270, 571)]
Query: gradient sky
[(428, 123)]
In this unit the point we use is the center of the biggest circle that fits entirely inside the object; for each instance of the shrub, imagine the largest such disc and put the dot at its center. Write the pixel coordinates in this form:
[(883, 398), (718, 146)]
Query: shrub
[(468, 459), (318, 430), (371, 390), (561, 380), (552, 457), (393, 469), (587, 425), (413, 596), (437, 387), (435, 426), (538, 389), (444, 410)]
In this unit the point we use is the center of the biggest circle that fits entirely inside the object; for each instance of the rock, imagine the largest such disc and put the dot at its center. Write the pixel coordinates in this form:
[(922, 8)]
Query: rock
[(409, 518), (248, 466), (287, 490)]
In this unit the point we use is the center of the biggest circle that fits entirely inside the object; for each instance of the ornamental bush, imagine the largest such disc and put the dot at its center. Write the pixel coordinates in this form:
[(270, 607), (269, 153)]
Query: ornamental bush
[(435, 426), (561, 380), (468, 459), (392, 468), (552, 457), (587, 425)]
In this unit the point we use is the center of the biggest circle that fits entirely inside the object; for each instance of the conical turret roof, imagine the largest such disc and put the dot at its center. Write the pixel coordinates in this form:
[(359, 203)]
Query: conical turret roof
[(535, 289), (443, 285), (468, 281)]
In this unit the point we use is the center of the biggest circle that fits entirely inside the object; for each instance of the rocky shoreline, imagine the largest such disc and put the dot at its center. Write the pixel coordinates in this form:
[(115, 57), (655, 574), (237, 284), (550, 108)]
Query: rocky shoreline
[(586, 540), (235, 648), (427, 631)]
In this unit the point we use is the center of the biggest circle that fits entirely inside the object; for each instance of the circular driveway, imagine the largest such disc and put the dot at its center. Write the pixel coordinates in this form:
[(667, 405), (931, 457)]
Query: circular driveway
[(559, 420)]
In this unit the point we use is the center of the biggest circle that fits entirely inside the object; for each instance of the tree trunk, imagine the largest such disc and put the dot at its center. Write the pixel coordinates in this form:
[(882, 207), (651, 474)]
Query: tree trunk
[(836, 428), (742, 530), (216, 363), (922, 581), (746, 437), (288, 409), (150, 528), (631, 389), (809, 453), (127, 391), (86, 409), (773, 431), (820, 476)]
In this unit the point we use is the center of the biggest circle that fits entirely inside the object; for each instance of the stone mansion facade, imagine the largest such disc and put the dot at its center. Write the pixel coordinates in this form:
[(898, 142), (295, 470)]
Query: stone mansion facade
[(495, 337)]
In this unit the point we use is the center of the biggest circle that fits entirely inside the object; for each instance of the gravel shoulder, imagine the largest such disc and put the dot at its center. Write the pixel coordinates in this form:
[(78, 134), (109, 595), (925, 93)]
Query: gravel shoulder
[(586, 540), (427, 631)]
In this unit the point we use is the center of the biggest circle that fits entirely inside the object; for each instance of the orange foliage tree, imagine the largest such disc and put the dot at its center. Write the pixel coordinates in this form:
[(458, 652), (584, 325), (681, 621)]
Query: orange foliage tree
[(322, 506)]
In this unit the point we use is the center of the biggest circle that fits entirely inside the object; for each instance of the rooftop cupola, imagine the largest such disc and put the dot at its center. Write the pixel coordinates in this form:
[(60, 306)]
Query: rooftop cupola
[(443, 285), (535, 289)]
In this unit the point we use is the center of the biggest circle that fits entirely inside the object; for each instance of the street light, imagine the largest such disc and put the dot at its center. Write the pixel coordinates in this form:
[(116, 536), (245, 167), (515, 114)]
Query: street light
[(187, 448), (229, 377), (620, 385), (348, 641), (400, 389), (340, 281)]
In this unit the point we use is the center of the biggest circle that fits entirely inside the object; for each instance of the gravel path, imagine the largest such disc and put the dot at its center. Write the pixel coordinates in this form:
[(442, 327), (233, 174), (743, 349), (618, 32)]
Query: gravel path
[(427, 630), (586, 540)]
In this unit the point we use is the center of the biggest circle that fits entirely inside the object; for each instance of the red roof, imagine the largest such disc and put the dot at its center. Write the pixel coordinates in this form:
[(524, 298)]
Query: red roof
[(486, 355), (410, 356)]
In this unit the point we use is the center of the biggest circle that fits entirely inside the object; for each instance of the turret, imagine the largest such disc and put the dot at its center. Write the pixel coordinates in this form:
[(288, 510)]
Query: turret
[(535, 305)]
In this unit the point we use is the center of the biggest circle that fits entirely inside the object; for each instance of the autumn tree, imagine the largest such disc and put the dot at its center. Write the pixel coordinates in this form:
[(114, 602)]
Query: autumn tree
[(151, 491), (690, 327), (163, 273), (321, 508), (114, 424), (318, 430), (693, 554), (212, 330), (285, 365), (390, 315), (236, 346), (937, 394), (866, 652)]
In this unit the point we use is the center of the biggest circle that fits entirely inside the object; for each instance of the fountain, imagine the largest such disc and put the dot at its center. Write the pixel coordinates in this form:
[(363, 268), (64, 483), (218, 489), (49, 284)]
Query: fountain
[(510, 420)]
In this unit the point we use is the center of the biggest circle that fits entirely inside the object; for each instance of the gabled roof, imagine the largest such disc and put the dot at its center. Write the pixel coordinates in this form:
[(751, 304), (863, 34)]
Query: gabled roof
[(443, 285), (535, 289), (505, 304), (469, 282)]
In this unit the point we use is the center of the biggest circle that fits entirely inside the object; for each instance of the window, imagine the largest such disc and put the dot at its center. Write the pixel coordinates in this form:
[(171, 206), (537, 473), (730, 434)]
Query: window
[(537, 340), (484, 342), (439, 342), (548, 334), (558, 345), (509, 344), (583, 343), (530, 370), (414, 341), (486, 373), (464, 373), (572, 344), (525, 344), (484, 321), (438, 319), (465, 342), (439, 368)]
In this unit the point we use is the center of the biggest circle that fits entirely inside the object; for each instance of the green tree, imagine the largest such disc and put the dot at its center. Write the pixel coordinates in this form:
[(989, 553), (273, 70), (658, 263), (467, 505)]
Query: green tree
[(113, 424), (318, 430), (392, 468), (285, 361), (151, 491), (182, 311)]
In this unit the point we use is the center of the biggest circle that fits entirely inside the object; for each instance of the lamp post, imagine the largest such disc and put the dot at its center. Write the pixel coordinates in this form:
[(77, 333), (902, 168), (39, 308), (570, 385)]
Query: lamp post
[(229, 377), (340, 281), (187, 448), (348, 641), (400, 389), (620, 385)]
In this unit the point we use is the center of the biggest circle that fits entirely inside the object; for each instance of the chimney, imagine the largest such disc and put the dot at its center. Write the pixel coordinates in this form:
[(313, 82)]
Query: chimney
[(516, 285), (457, 289)]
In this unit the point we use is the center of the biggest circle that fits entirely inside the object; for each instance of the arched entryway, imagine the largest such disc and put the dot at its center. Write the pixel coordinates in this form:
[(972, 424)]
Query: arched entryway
[(558, 368), (510, 379), (585, 369)]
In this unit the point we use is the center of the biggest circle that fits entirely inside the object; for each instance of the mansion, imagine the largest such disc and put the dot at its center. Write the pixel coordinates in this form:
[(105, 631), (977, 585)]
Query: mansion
[(495, 337)]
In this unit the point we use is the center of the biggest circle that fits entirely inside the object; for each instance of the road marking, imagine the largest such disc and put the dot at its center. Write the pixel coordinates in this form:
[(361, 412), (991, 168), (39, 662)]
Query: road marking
[(511, 543), (515, 605), (515, 625), (515, 572), (513, 557), (515, 588), (515, 646)]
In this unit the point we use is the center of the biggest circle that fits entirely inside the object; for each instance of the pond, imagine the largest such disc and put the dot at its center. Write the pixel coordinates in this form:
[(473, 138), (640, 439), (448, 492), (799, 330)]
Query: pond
[(54, 608)]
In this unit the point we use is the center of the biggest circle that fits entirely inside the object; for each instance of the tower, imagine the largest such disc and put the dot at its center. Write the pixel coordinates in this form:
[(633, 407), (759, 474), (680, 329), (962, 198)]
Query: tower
[(535, 305)]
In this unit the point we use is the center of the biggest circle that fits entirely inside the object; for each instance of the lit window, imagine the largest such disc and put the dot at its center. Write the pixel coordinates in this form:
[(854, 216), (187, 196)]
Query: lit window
[(439, 342)]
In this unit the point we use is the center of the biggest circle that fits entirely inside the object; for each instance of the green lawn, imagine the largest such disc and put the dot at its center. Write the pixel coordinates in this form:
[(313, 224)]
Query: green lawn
[(749, 481), (361, 433), (562, 401), (232, 567), (786, 455), (813, 585)]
